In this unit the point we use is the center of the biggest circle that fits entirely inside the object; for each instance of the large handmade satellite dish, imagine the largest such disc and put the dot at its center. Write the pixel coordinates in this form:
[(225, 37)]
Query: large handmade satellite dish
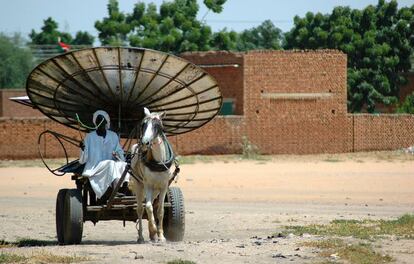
[(121, 81)]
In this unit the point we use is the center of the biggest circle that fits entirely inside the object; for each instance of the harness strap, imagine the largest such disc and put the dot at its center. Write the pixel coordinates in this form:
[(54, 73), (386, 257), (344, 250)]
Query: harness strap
[(162, 166)]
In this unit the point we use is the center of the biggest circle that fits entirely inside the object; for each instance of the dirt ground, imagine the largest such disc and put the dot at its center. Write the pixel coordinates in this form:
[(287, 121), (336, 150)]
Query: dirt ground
[(232, 207)]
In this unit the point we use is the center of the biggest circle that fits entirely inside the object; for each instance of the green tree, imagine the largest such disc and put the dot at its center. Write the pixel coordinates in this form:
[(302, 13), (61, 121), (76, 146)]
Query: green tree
[(113, 30), (174, 29), (49, 34), (83, 38), (407, 106), (265, 36), (378, 41), (16, 61), (215, 5), (225, 40)]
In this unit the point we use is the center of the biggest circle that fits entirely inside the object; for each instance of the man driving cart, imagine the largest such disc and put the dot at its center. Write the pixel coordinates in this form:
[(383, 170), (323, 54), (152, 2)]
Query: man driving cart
[(103, 156)]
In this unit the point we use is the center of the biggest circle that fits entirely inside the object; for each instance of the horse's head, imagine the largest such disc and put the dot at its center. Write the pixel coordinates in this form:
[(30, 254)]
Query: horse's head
[(151, 126)]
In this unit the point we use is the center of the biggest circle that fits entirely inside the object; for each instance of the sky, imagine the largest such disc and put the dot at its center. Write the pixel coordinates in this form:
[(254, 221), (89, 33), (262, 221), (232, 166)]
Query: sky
[(74, 15)]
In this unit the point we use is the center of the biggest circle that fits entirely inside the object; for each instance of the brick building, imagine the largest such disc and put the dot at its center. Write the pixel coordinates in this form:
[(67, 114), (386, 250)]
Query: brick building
[(290, 102)]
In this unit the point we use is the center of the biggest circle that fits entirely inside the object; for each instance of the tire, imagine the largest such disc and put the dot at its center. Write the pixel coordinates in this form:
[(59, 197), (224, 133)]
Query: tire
[(174, 216), (60, 202), (73, 217)]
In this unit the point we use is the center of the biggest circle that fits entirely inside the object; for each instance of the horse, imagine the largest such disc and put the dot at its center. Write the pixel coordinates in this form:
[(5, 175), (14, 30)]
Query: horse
[(151, 163)]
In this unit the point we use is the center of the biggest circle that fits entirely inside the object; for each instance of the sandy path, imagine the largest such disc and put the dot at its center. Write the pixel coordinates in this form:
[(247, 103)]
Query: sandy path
[(229, 207)]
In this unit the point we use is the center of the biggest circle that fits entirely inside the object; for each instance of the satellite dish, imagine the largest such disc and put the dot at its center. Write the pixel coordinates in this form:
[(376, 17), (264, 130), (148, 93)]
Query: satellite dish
[(122, 81)]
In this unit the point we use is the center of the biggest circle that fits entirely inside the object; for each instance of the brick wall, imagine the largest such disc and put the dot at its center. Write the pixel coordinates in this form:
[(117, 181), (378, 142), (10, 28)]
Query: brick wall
[(315, 119), (294, 103), (382, 132), (222, 66), (9, 108), (18, 138), (223, 135)]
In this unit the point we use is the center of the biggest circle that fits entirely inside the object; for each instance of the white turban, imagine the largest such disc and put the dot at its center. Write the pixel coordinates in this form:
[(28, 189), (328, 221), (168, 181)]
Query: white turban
[(105, 115)]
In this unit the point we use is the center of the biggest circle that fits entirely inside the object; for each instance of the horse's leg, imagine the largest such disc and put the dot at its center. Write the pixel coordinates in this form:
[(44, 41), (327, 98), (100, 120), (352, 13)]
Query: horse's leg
[(150, 213), (140, 211), (160, 213)]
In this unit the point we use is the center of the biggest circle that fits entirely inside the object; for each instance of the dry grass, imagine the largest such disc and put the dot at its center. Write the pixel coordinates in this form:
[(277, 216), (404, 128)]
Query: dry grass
[(360, 253), (402, 227), (180, 261), (40, 257)]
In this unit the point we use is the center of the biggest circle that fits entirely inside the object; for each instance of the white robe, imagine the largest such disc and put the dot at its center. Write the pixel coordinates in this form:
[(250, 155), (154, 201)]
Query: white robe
[(100, 167)]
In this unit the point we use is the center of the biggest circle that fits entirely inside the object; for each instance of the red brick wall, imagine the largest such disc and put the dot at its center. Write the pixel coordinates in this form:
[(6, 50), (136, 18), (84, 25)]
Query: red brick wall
[(275, 125), (18, 138), (223, 135), (382, 132), (229, 78), (9, 108), (293, 125)]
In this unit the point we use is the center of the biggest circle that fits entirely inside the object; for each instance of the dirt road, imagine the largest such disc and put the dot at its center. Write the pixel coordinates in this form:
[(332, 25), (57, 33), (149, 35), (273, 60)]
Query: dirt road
[(232, 206)]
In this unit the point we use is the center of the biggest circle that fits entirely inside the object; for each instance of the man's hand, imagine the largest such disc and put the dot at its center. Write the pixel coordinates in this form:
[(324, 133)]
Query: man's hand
[(82, 145), (116, 156)]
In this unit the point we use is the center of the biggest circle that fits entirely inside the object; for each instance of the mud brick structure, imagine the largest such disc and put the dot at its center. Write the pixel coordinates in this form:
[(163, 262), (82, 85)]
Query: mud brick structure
[(285, 102)]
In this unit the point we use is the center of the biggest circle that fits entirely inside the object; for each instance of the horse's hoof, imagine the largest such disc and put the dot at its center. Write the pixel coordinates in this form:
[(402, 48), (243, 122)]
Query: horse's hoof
[(162, 240), (153, 237), (140, 240)]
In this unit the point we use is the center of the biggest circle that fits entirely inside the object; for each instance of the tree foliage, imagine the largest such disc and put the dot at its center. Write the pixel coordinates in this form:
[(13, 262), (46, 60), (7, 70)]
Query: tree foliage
[(16, 61), (215, 5), (265, 36), (83, 38), (378, 41), (113, 30), (407, 106), (50, 34), (175, 28)]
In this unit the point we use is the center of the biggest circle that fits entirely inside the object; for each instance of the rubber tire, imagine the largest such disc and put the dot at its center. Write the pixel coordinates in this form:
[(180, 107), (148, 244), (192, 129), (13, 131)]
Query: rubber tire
[(73, 217), (60, 202), (174, 216)]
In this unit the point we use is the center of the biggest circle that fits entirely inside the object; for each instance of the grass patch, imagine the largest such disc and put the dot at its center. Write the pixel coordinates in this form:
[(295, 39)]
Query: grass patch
[(11, 258), (360, 253), (332, 160), (180, 261), (402, 227), (47, 257), (40, 257)]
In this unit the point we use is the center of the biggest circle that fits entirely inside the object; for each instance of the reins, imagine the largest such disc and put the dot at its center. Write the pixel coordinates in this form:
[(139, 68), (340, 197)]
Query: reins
[(59, 138)]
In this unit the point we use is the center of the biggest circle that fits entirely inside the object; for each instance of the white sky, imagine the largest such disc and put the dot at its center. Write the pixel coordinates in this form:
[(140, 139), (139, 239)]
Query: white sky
[(74, 15)]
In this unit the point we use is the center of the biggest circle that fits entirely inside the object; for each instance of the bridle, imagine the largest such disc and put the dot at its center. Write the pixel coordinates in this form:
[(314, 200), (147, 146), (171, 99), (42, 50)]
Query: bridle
[(143, 150)]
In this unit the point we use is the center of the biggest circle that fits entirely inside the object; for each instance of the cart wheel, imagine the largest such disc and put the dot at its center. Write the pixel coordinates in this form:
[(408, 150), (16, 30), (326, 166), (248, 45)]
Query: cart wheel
[(60, 202), (174, 216), (73, 217)]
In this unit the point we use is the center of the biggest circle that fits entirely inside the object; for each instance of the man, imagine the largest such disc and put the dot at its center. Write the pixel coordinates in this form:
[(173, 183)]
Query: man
[(103, 155)]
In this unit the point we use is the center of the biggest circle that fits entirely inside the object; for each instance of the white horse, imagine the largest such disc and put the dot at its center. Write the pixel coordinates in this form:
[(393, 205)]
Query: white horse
[(151, 163)]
